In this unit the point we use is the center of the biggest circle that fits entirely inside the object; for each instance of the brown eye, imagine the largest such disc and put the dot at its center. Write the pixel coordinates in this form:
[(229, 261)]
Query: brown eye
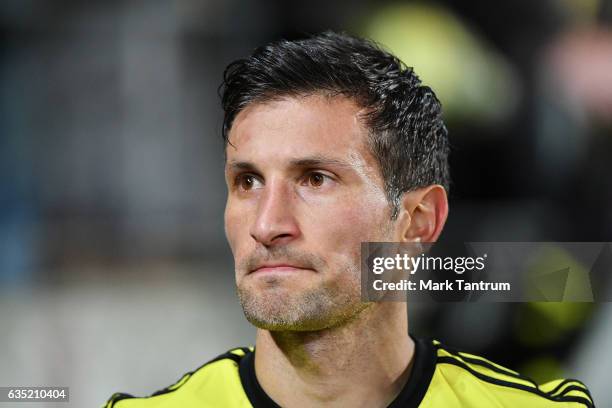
[(247, 182), (316, 179)]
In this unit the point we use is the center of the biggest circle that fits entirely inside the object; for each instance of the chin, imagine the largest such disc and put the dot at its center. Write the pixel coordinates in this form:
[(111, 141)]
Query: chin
[(276, 325), (281, 312)]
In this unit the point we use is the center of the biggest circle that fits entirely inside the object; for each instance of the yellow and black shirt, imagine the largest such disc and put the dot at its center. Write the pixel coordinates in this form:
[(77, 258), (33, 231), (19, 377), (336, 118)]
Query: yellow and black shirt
[(441, 377)]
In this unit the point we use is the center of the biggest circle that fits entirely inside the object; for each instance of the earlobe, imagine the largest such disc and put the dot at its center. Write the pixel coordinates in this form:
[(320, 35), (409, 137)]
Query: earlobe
[(425, 210)]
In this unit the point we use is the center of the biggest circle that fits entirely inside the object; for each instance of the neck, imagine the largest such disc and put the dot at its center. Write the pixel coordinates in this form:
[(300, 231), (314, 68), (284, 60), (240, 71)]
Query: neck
[(365, 362)]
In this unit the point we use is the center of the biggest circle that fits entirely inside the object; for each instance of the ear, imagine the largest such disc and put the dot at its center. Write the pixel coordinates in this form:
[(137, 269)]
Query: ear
[(422, 214)]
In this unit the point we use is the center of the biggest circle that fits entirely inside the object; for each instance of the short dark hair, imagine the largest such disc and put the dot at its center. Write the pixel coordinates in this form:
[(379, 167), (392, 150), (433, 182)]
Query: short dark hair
[(407, 134)]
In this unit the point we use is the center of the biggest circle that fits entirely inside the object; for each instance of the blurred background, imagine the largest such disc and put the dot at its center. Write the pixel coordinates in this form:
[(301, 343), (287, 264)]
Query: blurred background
[(114, 270)]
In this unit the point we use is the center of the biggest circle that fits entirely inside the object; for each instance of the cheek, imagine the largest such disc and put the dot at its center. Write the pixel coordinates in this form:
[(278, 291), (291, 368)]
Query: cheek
[(340, 229), (234, 229), (359, 215), (237, 237)]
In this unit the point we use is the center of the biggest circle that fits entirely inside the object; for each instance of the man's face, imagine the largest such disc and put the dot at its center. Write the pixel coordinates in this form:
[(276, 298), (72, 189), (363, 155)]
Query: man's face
[(303, 192)]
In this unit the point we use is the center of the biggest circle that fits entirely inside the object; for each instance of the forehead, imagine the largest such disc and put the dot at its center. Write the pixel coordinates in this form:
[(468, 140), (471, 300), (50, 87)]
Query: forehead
[(314, 125)]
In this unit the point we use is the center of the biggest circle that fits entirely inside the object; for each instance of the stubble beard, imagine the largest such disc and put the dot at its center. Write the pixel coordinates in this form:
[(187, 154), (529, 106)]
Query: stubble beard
[(279, 309), (331, 304)]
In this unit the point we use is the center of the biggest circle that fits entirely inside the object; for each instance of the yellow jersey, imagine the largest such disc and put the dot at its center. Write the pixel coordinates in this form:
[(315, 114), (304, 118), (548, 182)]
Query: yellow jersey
[(441, 377)]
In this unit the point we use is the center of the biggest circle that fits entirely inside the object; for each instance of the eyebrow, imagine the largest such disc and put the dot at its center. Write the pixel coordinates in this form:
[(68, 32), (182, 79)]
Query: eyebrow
[(310, 161)]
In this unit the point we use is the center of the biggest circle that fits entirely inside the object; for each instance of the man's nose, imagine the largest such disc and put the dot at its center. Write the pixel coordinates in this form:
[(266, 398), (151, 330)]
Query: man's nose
[(275, 223)]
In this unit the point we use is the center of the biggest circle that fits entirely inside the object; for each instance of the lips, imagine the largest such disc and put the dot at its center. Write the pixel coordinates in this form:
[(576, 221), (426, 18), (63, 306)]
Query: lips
[(279, 268)]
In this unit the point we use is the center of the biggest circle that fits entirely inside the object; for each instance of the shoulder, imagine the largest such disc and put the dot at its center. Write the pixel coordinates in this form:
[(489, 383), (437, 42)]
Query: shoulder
[(481, 382), (215, 383)]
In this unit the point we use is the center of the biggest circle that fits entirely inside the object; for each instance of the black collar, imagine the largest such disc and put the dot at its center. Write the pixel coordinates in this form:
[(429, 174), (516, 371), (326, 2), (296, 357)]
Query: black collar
[(410, 397)]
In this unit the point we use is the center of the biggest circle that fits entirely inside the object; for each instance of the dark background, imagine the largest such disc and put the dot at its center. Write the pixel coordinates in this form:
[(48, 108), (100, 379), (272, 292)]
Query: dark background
[(114, 270)]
